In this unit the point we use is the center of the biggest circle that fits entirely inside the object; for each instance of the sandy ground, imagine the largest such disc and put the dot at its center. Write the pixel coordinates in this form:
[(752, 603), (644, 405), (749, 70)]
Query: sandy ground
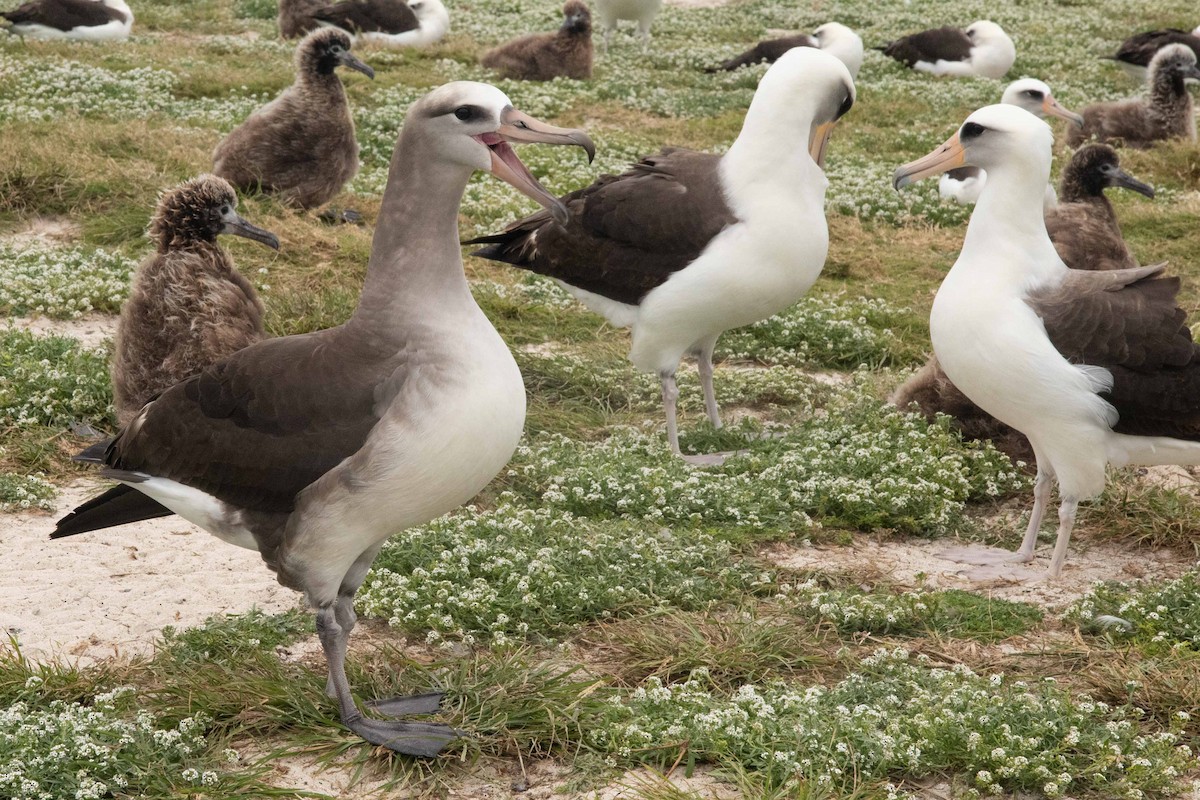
[(916, 562), (111, 592), (91, 329)]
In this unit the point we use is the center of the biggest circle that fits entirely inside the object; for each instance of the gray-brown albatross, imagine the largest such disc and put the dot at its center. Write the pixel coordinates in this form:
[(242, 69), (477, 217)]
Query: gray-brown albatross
[(687, 245), (301, 145), (1121, 382), (189, 306), (314, 449)]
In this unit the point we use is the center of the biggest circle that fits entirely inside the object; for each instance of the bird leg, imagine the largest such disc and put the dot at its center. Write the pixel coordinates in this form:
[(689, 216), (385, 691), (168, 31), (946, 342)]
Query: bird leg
[(644, 32), (1066, 522), (705, 366), (410, 738), (993, 558), (1041, 498), (670, 392)]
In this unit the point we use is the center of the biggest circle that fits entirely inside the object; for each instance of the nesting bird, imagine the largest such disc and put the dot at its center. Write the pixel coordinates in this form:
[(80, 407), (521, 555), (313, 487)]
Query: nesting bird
[(1084, 226), (387, 23), (832, 37), (982, 49), (1093, 367), (1165, 114), (301, 145), (189, 306), (84, 20), (687, 245), (314, 449), (964, 184), (1085, 234), (566, 53), (1135, 53), (641, 11)]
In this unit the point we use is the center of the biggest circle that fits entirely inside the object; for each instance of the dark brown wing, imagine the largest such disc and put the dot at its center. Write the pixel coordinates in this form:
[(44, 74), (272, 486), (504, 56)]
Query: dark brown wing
[(370, 16), (63, 14), (768, 50), (254, 429), (937, 44), (627, 233), (1128, 321), (1140, 48)]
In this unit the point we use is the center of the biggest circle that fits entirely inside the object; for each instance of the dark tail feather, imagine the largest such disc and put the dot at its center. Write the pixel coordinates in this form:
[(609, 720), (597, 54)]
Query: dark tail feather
[(883, 48), (493, 238), (94, 454), (118, 506)]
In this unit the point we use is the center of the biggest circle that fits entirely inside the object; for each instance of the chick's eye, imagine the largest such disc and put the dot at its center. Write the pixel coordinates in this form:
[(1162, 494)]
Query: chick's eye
[(463, 113), (224, 210), (971, 130)]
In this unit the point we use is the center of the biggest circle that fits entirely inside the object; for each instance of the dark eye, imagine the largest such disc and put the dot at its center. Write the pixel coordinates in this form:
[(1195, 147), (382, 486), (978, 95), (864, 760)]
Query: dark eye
[(971, 130), (1034, 93), (846, 105), (224, 210), (463, 113)]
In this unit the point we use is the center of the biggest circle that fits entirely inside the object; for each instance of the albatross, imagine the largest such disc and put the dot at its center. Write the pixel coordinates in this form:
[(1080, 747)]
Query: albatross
[(1140, 122), (1118, 381), (963, 185), (982, 49), (1086, 235), (301, 145), (832, 37), (314, 449), (189, 306), (387, 23), (84, 20), (687, 245), (1135, 53)]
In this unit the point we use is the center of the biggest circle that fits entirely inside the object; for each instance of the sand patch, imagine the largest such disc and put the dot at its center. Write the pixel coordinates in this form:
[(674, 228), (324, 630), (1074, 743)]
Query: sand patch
[(92, 330), (111, 592), (43, 231), (917, 563)]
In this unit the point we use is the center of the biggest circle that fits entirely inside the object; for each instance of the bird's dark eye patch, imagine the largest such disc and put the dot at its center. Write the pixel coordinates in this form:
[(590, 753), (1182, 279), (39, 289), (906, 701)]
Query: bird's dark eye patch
[(971, 130), (224, 210), (1034, 93), (464, 113), (846, 105)]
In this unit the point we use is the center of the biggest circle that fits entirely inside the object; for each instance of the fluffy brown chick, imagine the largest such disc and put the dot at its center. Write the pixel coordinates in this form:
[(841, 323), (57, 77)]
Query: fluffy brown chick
[(189, 306), (301, 145), (1165, 114), (1084, 226), (543, 56)]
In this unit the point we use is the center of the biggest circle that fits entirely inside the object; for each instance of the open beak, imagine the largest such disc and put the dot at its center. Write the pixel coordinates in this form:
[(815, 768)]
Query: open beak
[(819, 141), (950, 155), (237, 226), (517, 127), (1119, 177), (348, 59), (1050, 106)]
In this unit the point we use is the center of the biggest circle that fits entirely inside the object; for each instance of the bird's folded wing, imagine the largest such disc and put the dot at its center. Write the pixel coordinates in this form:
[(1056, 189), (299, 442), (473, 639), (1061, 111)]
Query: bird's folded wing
[(370, 16), (61, 14), (256, 428), (1121, 318), (948, 43), (627, 233)]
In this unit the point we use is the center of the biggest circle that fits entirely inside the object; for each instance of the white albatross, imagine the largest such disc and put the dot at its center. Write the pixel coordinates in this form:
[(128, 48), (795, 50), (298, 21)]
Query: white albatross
[(1124, 357), (686, 245), (964, 184)]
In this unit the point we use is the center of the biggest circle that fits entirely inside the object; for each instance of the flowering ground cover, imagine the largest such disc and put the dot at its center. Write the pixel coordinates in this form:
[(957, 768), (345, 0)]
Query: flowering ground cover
[(603, 605)]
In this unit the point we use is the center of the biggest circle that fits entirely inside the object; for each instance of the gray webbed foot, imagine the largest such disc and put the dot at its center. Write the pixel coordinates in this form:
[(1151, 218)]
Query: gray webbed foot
[(422, 739), (404, 706)]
